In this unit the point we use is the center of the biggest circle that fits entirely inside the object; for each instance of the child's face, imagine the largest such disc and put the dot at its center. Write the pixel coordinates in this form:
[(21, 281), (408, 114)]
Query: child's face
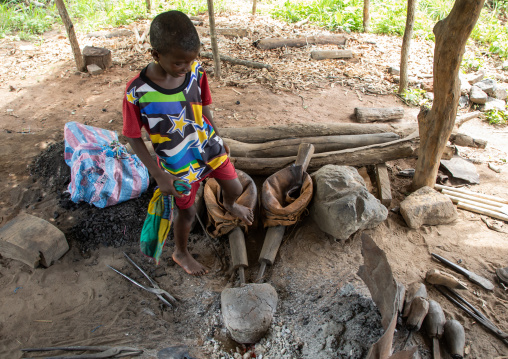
[(176, 63)]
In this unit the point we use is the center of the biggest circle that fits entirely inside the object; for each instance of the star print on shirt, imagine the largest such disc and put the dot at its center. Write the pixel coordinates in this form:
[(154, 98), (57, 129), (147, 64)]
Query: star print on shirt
[(131, 96), (193, 174), (179, 122)]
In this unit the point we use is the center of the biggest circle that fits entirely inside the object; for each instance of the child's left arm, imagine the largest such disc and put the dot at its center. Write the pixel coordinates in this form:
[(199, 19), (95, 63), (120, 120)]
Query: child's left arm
[(208, 114)]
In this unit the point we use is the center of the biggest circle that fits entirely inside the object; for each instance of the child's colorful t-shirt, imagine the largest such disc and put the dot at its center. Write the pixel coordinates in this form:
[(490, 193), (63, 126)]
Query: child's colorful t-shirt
[(182, 137)]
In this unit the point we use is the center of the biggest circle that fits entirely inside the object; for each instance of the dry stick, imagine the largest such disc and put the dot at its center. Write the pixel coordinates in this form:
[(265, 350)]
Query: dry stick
[(406, 45), (211, 241), (213, 38), (80, 62), (248, 63)]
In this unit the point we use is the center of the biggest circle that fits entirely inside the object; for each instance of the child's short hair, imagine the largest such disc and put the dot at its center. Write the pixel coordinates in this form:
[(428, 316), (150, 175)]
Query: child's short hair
[(172, 29)]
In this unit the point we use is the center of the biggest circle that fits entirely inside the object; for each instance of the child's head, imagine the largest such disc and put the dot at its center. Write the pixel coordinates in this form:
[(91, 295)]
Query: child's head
[(173, 30)]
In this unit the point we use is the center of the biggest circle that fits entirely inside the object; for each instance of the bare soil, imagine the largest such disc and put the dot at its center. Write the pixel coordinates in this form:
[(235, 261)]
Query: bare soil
[(324, 308)]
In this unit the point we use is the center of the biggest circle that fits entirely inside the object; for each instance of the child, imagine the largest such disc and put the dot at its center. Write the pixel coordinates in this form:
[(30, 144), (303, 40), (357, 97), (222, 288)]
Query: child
[(170, 99)]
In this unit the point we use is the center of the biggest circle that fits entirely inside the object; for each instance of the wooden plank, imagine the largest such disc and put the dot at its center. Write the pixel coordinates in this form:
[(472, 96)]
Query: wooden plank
[(383, 184)]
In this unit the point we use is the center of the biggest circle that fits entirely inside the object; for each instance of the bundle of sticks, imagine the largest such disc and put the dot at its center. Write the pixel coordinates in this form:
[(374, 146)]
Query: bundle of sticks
[(491, 206)]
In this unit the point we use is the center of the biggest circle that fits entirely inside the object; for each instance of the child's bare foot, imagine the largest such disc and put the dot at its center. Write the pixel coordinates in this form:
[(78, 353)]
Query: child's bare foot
[(189, 264), (243, 213)]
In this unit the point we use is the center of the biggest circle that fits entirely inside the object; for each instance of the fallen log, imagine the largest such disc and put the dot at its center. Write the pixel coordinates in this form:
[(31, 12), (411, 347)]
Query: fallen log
[(271, 133), (368, 114), (248, 63), (331, 54), (461, 139), (460, 120), (233, 32), (360, 156), (273, 43), (289, 147)]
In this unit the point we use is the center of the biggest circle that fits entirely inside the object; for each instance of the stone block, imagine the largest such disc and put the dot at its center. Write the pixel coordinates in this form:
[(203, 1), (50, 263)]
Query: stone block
[(427, 207), (32, 241), (248, 311), (94, 69)]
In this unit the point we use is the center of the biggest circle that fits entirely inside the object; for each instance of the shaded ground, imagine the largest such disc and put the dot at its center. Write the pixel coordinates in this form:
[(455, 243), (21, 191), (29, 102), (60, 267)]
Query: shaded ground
[(324, 308)]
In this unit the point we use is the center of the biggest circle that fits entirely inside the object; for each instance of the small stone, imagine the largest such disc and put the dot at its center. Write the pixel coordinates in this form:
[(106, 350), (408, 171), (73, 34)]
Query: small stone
[(430, 96), (94, 69), (495, 168), (474, 78), (427, 207), (463, 101), (465, 86), (394, 70), (500, 92), (478, 96)]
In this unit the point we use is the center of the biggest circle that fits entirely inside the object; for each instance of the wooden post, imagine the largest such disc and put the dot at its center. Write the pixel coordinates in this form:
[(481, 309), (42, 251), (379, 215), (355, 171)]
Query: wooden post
[(80, 63), (383, 184), (254, 3), (406, 44), (213, 38), (436, 124), (366, 15)]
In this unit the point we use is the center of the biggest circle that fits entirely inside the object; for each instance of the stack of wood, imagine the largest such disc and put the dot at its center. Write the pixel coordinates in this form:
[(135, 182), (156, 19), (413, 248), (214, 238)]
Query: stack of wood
[(265, 150)]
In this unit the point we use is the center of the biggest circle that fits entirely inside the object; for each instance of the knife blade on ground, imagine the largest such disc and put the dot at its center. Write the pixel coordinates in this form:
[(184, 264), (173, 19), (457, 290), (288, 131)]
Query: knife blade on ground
[(473, 277)]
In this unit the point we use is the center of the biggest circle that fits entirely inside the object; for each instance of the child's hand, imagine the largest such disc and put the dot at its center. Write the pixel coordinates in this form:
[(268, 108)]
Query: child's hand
[(166, 185)]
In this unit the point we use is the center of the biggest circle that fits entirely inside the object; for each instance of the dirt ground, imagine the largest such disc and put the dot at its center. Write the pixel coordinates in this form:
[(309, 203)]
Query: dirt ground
[(324, 307)]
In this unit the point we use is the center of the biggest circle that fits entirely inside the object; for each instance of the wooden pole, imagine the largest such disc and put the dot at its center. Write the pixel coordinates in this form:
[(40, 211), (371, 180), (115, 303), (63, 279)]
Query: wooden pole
[(406, 45), (366, 15), (213, 38), (254, 3), (436, 124), (80, 63)]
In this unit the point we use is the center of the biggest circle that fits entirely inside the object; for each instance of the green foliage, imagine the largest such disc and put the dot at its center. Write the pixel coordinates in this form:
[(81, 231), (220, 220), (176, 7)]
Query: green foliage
[(436, 9), (471, 62), (26, 20), (496, 117), (334, 15), (414, 97)]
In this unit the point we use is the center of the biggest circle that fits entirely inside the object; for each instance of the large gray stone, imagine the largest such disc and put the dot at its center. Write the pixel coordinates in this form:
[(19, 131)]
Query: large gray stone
[(426, 206), (477, 95), (248, 311), (342, 204), (486, 85)]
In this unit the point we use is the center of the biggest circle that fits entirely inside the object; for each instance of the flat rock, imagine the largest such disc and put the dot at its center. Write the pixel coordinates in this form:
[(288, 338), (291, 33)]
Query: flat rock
[(32, 241), (474, 78), (94, 69), (486, 85), (493, 104), (342, 204), (460, 169), (248, 311), (477, 95), (427, 207)]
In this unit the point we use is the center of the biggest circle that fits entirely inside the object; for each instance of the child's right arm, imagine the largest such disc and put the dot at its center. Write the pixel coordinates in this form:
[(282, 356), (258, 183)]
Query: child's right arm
[(164, 180)]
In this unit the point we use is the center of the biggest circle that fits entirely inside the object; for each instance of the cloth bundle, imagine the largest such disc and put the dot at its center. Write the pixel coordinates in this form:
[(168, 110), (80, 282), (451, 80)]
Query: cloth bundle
[(285, 196), (157, 225), (102, 172), (221, 222)]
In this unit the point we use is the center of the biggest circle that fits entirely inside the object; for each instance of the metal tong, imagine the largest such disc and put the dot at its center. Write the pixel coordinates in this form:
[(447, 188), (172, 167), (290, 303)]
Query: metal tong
[(164, 296), (455, 298), (102, 352)]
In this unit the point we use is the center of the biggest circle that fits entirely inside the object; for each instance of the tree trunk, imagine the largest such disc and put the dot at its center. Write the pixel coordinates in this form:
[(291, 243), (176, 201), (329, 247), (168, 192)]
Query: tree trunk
[(406, 44), (80, 64), (97, 56), (331, 54), (366, 15), (148, 6), (436, 124), (213, 38), (265, 134), (254, 3), (289, 147)]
